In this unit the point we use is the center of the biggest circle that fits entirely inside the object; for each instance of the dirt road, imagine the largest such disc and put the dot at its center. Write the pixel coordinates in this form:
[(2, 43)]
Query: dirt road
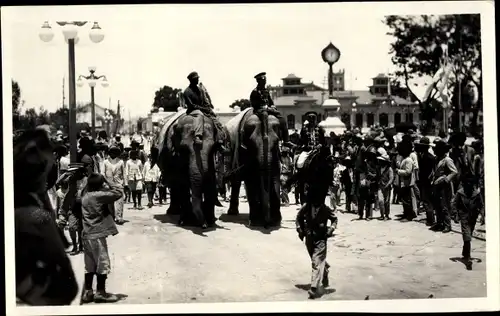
[(154, 261)]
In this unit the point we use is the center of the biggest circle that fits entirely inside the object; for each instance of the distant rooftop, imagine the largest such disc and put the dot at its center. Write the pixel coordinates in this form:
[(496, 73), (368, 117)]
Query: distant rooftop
[(290, 76)]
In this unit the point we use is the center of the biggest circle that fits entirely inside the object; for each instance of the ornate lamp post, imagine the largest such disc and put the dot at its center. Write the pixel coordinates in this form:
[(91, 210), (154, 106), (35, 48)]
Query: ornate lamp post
[(330, 55), (70, 32), (92, 81)]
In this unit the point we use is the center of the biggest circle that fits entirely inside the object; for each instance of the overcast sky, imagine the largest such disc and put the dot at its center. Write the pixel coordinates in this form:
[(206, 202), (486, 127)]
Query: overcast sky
[(146, 47)]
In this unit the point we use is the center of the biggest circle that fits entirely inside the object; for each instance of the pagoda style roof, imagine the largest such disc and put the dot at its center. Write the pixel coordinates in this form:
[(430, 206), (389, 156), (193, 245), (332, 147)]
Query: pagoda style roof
[(381, 76), (290, 76)]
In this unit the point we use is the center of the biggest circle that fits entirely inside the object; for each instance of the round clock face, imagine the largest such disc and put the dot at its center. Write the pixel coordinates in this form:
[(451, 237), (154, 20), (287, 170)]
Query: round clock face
[(331, 55)]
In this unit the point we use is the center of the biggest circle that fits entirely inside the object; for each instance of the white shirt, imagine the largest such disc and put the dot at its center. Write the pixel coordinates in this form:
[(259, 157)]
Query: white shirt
[(151, 174)]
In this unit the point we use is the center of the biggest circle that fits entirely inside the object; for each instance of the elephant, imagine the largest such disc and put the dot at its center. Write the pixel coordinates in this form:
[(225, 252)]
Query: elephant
[(188, 169), (256, 161)]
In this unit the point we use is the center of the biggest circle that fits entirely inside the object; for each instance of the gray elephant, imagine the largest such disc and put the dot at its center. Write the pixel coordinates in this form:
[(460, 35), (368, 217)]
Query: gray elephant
[(188, 170), (255, 160)]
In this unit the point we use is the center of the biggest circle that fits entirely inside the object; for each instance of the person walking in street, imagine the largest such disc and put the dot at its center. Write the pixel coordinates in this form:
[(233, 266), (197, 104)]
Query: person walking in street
[(479, 170), (98, 224), (347, 180), (134, 176), (466, 206), (407, 181), (286, 173), (444, 174), (336, 183), (114, 172), (368, 183), (385, 186), (427, 163), (311, 224), (151, 177)]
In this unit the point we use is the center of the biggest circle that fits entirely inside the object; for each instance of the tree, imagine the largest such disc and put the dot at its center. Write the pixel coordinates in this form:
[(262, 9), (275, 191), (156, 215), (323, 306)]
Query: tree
[(16, 98), (416, 52), (166, 98), (242, 103)]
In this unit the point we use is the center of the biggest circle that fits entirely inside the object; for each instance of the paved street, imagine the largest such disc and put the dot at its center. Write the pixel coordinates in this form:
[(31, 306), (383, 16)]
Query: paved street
[(154, 261)]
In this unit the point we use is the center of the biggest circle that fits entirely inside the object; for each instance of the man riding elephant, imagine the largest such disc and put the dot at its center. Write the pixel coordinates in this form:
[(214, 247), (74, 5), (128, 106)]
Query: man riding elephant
[(197, 98), (260, 100)]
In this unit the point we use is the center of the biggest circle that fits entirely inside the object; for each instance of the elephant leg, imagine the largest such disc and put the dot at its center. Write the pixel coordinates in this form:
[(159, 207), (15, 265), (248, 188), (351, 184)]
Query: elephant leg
[(175, 205), (253, 203), (235, 196), (209, 202)]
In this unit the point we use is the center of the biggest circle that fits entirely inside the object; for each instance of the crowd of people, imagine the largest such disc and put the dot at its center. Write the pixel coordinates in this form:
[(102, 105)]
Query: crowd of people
[(85, 197), (443, 179)]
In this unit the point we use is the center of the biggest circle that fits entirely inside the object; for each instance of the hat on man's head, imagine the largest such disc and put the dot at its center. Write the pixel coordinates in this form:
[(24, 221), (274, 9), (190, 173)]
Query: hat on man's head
[(193, 75), (260, 75), (424, 141)]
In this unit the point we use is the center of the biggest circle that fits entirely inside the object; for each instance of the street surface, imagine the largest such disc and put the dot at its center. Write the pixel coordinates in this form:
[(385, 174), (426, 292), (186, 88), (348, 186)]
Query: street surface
[(154, 261)]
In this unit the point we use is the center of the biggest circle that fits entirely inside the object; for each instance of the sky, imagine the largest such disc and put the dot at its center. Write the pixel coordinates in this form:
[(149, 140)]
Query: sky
[(149, 46)]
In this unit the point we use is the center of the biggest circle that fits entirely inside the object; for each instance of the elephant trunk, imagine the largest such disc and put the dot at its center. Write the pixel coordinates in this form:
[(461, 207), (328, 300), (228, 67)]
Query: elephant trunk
[(265, 171)]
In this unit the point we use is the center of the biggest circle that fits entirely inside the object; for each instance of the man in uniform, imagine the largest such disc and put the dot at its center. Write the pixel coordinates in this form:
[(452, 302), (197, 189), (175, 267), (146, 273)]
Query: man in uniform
[(260, 100), (196, 98)]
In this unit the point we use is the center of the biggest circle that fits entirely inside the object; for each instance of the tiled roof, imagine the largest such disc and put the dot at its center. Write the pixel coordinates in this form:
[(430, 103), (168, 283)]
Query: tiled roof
[(380, 75), (291, 76), (359, 96)]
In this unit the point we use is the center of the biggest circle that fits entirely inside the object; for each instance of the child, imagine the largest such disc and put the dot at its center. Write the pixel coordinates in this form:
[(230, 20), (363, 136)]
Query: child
[(367, 183), (336, 184), (407, 181), (151, 177), (466, 206), (133, 172), (385, 186), (311, 223), (114, 172), (126, 189), (98, 224)]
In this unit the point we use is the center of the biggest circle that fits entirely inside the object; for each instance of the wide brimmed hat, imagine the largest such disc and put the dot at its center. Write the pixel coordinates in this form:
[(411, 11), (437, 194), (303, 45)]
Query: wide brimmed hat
[(114, 149), (441, 145), (424, 141), (384, 158), (458, 138)]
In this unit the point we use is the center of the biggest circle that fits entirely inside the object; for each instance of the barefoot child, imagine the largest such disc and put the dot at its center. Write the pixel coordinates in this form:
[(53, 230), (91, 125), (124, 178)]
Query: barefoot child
[(98, 224)]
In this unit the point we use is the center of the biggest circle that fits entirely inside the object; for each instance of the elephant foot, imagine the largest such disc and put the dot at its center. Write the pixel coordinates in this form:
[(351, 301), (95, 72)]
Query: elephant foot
[(173, 211), (233, 211)]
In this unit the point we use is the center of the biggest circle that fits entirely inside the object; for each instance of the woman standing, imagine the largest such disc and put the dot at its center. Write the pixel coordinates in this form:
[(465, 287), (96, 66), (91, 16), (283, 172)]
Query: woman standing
[(151, 177), (134, 176), (114, 172)]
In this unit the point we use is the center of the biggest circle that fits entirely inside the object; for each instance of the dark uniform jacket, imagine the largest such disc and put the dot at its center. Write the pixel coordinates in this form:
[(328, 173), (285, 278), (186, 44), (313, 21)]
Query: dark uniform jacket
[(195, 101), (464, 161), (313, 221), (260, 98), (426, 163)]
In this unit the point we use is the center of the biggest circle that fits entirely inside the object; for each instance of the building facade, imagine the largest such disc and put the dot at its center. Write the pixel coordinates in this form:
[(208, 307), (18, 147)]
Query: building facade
[(375, 106)]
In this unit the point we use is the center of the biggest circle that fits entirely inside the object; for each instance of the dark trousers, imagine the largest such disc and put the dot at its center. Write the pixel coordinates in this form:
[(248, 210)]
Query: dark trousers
[(151, 189), (162, 194), (384, 201), (198, 123), (405, 194), (467, 223), (296, 194), (442, 204), (365, 201), (317, 252), (426, 201), (281, 119)]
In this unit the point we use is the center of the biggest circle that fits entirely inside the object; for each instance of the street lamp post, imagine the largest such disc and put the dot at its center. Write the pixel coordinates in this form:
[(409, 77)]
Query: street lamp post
[(354, 110), (330, 55), (70, 32), (92, 81)]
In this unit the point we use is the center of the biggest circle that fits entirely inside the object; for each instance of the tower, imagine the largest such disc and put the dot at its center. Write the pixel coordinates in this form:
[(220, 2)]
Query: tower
[(339, 80)]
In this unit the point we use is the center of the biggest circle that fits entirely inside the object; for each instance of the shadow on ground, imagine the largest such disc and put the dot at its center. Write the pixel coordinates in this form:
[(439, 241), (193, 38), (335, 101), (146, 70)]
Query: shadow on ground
[(119, 297), (462, 261), (174, 219), (306, 287), (241, 219)]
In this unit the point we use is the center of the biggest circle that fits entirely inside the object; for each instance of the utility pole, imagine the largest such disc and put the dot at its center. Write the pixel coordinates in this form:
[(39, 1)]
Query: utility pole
[(63, 95)]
